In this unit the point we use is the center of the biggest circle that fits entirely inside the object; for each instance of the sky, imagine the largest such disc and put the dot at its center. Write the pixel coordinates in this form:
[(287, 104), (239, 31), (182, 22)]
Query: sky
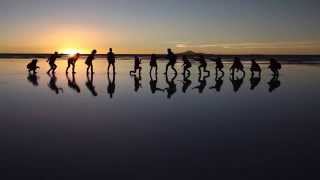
[(151, 26)]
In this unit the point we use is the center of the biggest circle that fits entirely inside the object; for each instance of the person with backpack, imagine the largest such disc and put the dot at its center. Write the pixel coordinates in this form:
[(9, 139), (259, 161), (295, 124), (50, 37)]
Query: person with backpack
[(89, 61), (32, 66), (51, 60)]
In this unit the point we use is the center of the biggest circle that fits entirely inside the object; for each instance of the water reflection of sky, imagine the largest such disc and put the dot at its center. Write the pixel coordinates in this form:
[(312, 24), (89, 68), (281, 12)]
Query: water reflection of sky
[(218, 126)]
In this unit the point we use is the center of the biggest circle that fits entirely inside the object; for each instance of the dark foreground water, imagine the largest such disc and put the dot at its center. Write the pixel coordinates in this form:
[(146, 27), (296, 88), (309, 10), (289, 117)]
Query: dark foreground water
[(100, 128)]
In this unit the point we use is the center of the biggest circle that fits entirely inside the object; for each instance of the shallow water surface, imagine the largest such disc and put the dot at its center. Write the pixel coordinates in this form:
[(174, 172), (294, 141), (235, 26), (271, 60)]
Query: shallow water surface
[(158, 127)]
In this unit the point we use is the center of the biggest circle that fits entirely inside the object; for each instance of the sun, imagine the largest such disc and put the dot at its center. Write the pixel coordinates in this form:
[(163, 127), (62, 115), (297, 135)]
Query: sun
[(70, 52)]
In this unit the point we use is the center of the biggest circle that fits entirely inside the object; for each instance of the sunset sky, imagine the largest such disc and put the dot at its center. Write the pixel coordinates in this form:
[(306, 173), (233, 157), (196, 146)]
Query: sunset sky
[(145, 26)]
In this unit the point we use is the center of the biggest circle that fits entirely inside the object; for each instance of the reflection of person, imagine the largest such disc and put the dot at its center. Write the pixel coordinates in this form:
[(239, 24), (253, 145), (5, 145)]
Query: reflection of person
[(203, 83), (137, 62), (89, 61), (72, 83), (137, 83), (111, 60), (90, 85), (172, 61), (186, 65), (32, 66), (153, 84), (236, 82), (219, 83), (172, 87), (186, 83), (52, 59), (53, 84), (33, 78), (72, 62), (203, 64), (153, 63), (274, 83), (111, 85)]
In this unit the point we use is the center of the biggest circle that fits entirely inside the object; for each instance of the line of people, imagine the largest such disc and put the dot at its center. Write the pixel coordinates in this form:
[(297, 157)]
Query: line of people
[(171, 89), (111, 58)]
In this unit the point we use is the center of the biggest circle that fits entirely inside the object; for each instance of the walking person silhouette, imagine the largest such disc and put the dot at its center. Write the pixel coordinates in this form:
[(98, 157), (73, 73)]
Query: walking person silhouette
[(137, 62), (172, 61), (186, 65), (219, 66), (32, 66), (89, 61), (51, 60), (275, 66), (153, 63), (237, 65), (111, 60), (255, 67), (72, 62)]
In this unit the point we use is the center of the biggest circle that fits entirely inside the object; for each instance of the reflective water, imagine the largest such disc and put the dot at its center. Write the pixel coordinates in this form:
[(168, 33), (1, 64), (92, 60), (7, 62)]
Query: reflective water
[(53, 128)]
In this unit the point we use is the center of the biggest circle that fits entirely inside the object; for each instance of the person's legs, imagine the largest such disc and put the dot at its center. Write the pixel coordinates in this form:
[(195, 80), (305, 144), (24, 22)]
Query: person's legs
[(68, 68), (167, 67), (174, 69), (114, 68), (91, 68), (73, 68), (108, 67)]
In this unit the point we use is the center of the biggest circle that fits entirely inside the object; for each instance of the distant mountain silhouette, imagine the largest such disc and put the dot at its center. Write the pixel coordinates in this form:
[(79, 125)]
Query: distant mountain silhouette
[(189, 53)]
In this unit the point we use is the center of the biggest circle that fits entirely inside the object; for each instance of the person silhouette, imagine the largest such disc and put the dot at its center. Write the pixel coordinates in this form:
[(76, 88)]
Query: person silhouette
[(219, 66), (275, 66), (172, 61), (236, 82), (255, 67), (186, 65), (111, 85), (274, 83), (153, 63), (89, 61), (90, 85), (32, 66), (254, 80), (203, 64), (203, 83), (111, 60), (219, 83), (153, 84), (72, 62), (33, 79), (53, 84), (137, 83), (186, 83), (137, 62), (237, 65), (172, 87), (72, 83), (51, 60)]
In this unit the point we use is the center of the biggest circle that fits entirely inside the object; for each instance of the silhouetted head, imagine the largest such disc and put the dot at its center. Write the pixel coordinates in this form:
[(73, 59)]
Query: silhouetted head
[(110, 49), (169, 51), (153, 56), (77, 55), (94, 51), (201, 57), (56, 53), (272, 60), (136, 57), (34, 61), (253, 60)]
